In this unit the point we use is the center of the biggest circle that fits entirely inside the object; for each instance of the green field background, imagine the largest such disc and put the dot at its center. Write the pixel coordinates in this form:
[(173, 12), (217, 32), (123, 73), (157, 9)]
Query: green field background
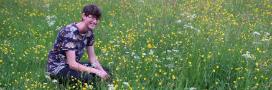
[(147, 44)]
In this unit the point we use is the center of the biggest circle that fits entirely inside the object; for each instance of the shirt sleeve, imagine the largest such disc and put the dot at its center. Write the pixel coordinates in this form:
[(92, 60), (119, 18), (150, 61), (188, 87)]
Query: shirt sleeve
[(68, 40)]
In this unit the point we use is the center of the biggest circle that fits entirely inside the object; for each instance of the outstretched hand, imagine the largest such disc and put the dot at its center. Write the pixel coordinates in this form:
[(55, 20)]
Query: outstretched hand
[(102, 74)]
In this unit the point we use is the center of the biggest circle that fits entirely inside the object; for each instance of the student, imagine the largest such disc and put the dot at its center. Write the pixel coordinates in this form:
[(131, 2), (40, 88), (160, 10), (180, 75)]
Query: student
[(64, 59)]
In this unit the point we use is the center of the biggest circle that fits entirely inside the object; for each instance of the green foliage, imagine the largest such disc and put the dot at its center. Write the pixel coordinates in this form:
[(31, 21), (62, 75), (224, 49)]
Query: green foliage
[(147, 44)]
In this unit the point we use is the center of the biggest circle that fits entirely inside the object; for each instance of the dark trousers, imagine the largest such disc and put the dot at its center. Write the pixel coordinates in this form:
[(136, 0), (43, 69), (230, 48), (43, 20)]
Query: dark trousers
[(72, 77)]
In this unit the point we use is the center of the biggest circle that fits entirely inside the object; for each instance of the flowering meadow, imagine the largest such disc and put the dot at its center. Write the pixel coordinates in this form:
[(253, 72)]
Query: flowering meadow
[(147, 44)]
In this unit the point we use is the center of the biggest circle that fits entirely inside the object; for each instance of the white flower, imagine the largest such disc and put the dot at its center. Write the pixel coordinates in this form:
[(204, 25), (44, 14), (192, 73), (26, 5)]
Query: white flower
[(116, 45), (178, 21), (192, 88), (169, 65), (169, 58), (143, 54), (267, 34), (266, 37), (110, 87), (58, 28), (247, 55), (136, 57), (189, 25), (132, 53), (193, 16), (47, 77), (51, 20), (174, 50), (106, 53), (55, 81), (111, 42), (151, 52), (256, 33), (126, 83), (91, 87)]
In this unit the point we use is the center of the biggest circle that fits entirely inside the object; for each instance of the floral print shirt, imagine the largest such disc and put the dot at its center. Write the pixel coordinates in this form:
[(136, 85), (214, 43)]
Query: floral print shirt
[(68, 38)]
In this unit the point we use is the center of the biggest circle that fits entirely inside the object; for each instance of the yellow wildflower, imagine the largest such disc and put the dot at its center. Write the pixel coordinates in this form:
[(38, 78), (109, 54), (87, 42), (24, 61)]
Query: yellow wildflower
[(149, 45), (1, 61), (173, 77), (110, 24)]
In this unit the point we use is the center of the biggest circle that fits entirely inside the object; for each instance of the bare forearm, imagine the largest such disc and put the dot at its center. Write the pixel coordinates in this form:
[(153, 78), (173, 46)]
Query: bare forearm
[(79, 67), (92, 58), (71, 61), (98, 66), (96, 63)]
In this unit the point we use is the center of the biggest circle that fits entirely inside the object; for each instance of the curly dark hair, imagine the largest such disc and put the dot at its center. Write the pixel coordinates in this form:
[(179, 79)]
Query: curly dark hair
[(92, 9)]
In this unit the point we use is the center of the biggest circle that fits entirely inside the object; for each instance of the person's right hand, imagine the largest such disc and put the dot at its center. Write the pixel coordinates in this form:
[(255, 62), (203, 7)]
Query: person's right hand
[(102, 74)]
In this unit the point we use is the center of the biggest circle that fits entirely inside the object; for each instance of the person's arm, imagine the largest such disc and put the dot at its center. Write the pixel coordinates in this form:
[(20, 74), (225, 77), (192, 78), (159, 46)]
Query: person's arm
[(92, 58), (71, 61)]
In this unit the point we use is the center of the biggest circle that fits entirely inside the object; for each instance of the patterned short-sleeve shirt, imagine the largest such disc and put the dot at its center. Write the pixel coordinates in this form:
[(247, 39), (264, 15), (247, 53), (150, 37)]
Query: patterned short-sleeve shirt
[(68, 38)]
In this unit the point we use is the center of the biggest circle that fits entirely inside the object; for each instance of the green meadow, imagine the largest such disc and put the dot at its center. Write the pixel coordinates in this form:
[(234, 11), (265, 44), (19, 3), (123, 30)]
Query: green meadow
[(147, 44)]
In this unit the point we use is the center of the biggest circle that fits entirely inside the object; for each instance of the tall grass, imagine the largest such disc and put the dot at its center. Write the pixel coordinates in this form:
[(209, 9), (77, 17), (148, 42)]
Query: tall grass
[(148, 44)]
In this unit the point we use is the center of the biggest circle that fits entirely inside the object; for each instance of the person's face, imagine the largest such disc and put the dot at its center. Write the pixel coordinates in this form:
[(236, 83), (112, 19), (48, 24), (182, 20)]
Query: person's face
[(91, 22)]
